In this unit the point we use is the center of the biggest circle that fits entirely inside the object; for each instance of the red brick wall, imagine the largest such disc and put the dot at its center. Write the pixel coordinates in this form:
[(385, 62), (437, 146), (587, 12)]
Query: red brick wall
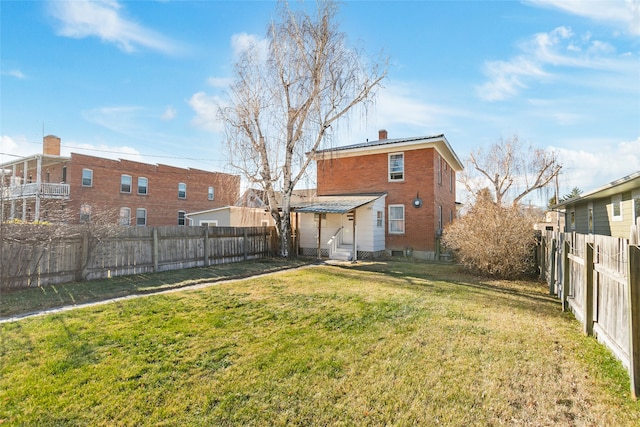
[(161, 201), (369, 174)]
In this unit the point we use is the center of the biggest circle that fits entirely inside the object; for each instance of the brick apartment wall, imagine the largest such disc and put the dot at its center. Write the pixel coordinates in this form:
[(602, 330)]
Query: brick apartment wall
[(369, 174), (161, 201)]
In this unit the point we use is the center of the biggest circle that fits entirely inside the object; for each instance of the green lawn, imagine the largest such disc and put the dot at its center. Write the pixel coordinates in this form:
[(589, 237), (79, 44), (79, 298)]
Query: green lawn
[(50, 297), (371, 344)]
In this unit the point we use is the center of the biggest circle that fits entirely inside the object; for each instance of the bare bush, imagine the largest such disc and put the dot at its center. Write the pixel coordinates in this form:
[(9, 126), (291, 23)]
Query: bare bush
[(494, 240)]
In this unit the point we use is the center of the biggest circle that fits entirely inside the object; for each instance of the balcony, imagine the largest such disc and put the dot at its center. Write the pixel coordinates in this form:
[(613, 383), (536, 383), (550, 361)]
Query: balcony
[(47, 191)]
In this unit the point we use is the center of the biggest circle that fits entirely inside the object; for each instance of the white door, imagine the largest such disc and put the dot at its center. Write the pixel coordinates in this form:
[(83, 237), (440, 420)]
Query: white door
[(347, 231)]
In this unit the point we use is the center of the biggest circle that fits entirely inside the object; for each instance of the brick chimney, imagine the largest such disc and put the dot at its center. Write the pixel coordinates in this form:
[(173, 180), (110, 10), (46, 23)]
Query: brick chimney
[(51, 145), (382, 134)]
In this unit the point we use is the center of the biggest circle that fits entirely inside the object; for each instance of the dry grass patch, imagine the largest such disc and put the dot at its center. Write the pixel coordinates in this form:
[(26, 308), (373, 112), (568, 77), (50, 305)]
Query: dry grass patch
[(371, 344)]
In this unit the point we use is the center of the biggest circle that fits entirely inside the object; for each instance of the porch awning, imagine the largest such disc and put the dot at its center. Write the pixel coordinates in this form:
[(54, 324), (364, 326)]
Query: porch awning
[(335, 204)]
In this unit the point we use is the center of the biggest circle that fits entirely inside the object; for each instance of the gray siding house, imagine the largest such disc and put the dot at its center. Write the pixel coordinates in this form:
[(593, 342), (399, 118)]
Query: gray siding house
[(610, 210)]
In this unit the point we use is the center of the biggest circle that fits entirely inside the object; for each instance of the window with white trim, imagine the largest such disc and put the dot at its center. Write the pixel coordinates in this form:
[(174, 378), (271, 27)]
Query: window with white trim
[(572, 219), (182, 190), (85, 213), (439, 166), (379, 219), (616, 207), (141, 216), (636, 206), (125, 216), (210, 194), (125, 183), (182, 219), (590, 217), (143, 185), (87, 178), (396, 167), (439, 217), (396, 219)]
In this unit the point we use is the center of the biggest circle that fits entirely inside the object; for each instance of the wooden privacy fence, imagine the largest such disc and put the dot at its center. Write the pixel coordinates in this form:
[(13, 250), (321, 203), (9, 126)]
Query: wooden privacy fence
[(598, 279), (130, 250)]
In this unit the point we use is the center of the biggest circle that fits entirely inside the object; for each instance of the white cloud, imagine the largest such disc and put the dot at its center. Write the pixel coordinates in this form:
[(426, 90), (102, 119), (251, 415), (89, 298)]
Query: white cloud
[(206, 109), (219, 82), (602, 162), (507, 78), (15, 73), (103, 19), (622, 14), (12, 148), (547, 56), (242, 42), (169, 113)]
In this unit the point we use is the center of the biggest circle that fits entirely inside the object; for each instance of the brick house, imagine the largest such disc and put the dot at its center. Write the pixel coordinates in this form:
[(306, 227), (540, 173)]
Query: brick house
[(43, 186), (400, 193)]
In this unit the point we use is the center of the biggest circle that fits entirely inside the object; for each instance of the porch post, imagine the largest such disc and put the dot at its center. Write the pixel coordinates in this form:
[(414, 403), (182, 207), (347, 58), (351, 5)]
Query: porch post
[(319, 235), (355, 240), (25, 166), (38, 183)]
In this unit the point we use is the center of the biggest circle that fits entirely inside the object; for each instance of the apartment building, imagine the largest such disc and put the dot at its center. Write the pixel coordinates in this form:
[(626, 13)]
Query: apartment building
[(78, 188)]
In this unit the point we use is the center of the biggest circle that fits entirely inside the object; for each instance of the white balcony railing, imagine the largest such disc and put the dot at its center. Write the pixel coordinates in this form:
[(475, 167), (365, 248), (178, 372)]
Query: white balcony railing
[(47, 191)]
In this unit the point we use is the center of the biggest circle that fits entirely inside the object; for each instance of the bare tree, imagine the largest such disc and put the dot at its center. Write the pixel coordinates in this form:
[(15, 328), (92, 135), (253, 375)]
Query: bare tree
[(285, 103), (512, 170)]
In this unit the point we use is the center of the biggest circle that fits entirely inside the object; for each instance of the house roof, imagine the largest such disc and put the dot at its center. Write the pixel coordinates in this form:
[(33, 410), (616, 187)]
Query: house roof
[(624, 184), (439, 142), (336, 204)]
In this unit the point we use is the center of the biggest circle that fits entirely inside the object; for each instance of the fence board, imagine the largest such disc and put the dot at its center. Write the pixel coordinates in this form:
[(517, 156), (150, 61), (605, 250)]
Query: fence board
[(130, 251), (610, 285)]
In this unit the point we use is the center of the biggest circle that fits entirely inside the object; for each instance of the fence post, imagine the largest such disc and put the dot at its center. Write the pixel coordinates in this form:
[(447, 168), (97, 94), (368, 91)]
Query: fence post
[(155, 249), (552, 281), (206, 246), (566, 275), (244, 243), (588, 289), (543, 257), (633, 294)]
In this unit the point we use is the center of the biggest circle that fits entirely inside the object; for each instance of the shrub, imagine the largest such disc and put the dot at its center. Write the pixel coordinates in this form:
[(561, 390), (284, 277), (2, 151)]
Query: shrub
[(494, 240)]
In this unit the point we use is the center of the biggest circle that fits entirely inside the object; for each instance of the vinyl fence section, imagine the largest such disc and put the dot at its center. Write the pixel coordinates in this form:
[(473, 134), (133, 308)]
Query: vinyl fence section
[(597, 278), (131, 250)]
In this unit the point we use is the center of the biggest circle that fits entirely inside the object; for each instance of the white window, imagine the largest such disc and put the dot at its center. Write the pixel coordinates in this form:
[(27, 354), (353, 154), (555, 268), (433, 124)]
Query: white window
[(439, 167), (87, 178), (182, 190), (590, 217), (125, 183), (210, 194), (396, 167), (572, 219), (616, 205), (125, 216), (439, 217), (209, 223), (636, 206), (85, 213), (451, 180), (143, 184), (379, 219), (141, 216), (396, 219), (182, 218)]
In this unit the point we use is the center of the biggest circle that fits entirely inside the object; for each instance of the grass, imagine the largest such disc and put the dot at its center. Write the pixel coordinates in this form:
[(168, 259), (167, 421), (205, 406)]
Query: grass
[(368, 344), (30, 300)]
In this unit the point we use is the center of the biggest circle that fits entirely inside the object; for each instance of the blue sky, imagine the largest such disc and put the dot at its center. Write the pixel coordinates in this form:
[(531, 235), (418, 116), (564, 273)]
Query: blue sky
[(142, 79)]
